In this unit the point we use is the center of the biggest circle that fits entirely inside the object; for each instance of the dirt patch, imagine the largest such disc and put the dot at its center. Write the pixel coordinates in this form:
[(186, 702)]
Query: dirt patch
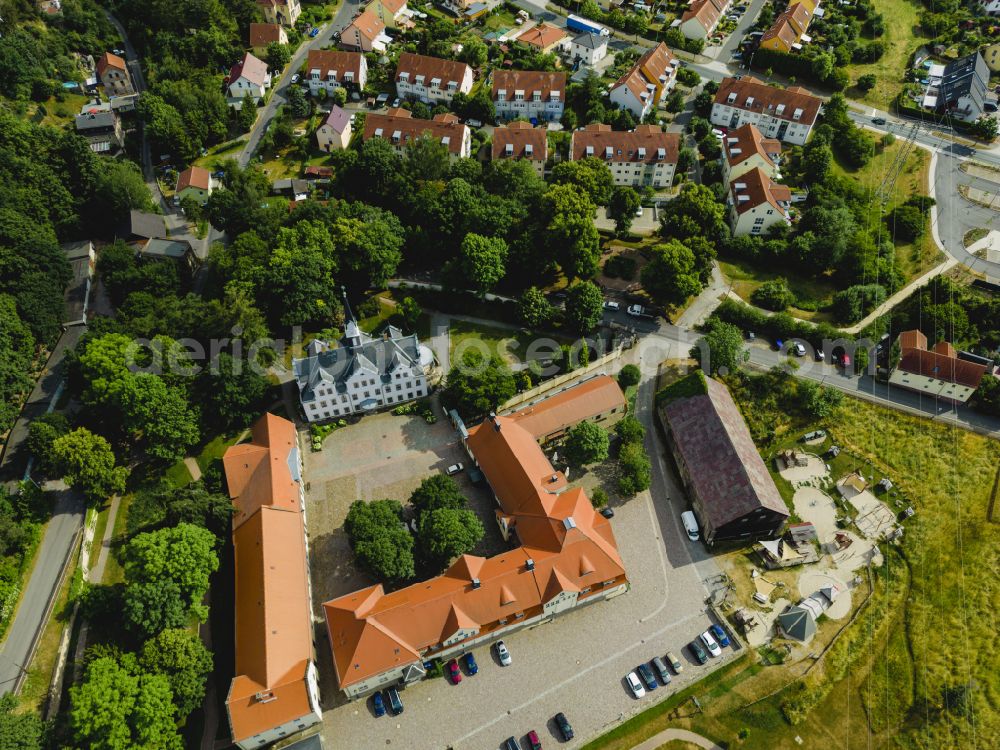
[(617, 284)]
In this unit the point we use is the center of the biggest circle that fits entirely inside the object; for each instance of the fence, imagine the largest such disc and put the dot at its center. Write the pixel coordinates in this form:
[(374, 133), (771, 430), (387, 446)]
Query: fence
[(551, 384)]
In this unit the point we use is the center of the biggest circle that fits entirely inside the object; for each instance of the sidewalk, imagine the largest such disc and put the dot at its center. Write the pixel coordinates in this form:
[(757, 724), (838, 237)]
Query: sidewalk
[(661, 739)]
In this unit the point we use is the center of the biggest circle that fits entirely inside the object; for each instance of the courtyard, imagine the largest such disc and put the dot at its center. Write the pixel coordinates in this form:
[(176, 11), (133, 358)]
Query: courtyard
[(575, 664)]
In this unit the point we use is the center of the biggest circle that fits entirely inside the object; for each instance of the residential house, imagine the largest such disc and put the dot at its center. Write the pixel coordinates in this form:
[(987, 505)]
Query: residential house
[(363, 374), (195, 182), (248, 76), (101, 126), (366, 33), (788, 32), (520, 140), (566, 557), (262, 34), (544, 38), (784, 114), (291, 187), (529, 94), (702, 16), (588, 49), (991, 53), (642, 157), (141, 226), (731, 491), (430, 79), (597, 399), (939, 372), (989, 7), (284, 12), (334, 133), (392, 13), (399, 127), (169, 249), (744, 149), (114, 75), (756, 202), (329, 69), (958, 88), (649, 81), (275, 692)]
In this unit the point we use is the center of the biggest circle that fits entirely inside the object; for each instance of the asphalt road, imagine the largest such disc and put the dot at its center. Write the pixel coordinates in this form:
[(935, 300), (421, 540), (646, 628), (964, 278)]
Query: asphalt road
[(67, 519)]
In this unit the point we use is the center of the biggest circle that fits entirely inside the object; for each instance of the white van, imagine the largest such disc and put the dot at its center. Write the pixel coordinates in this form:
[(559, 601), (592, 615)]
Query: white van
[(690, 525)]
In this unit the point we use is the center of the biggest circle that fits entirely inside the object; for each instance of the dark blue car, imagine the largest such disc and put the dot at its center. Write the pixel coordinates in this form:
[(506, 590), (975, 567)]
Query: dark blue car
[(378, 704), (470, 664), (720, 635)]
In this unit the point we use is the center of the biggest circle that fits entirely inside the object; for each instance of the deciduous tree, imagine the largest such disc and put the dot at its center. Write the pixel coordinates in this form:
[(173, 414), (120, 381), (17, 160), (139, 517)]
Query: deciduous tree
[(584, 306), (87, 463), (586, 443), (181, 657), (380, 541)]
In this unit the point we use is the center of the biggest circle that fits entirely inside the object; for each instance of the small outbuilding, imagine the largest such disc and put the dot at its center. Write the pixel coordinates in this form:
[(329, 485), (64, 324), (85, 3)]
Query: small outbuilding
[(797, 623)]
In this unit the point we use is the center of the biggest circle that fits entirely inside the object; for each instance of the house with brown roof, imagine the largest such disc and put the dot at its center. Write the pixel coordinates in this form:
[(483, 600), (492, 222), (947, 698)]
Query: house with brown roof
[(644, 156), (328, 69), (788, 32), (731, 491), (784, 114), (529, 94), (431, 80), (275, 692), (642, 88), (544, 37), (393, 13), (520, 140), (756, 203), (114, 75), (399, 127), (939, 372), (262, 34), (598, 399), (334, 133), (248, 76), (566, 556), (284, 12), (366, 33), (195, 182), (744, 149), (702, 16)]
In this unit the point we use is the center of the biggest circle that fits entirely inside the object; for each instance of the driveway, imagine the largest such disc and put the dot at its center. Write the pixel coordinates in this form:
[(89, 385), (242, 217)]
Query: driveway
[(575, 664)]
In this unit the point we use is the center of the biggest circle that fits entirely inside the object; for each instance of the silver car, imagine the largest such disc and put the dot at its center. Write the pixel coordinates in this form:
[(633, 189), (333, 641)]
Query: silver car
[(502, 653)]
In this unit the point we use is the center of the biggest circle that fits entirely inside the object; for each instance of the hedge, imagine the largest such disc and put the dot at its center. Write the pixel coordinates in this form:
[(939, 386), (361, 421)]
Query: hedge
[(778, 326)]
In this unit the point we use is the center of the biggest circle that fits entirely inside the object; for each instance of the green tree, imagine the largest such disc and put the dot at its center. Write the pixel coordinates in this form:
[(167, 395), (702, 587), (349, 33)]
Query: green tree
[(773, 295), (671, 275), (694, 212), (22, 730), (87, 463), (159, 415), (688, 77), (985, 128), (181, 657), (474, 52), (584, 306), (533, 308), (446, 533), (630, 430), (482, 261), (42, 435), (410, 311), (478, 384), (907, 223), (852, 304), (277, 56), (633, 469), (181, 557), (867, 82), (232, 391), (438, 491), (586, 443), (298, 105), (591, 175), (822, 66), (246, 115), (370, 245), (625, 201), (567, 215), (379, 539), (629, 375), (118, 707), (817, 161), (426, 159), (724, 342), (299, 286)]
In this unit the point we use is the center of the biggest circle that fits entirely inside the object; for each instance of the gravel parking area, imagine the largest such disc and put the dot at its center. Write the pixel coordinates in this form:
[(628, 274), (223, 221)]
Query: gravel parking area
[(575, 664)]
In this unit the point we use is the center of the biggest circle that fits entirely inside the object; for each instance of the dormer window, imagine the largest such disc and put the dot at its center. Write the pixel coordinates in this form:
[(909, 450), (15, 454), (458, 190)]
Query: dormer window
[(731, 98), (445, 140), (419, 80), (435, 83), (519, 95), (554, 96), (780, 109), (797, 114), (642, 153), (378, 132), (749, 102), (537, 96), (331, 75), (501, 95), (452, 85), (349, 76), (404, 77), (608, 152), (590, 150), (529, 149), (396, 136), (661, 154), (509, 149)]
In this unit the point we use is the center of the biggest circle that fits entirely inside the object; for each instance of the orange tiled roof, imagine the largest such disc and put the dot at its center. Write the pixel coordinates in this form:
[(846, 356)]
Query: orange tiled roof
[(586, 400), (707, 12), (529, 81), (747, 140), (327, 61), (196, 177), (757, 188), (259, 473), (542, 36), (430, 68), (109, 60), (262, 34), (410, 128), (753, 95), (369, 25), (625, 146), (519, 135)]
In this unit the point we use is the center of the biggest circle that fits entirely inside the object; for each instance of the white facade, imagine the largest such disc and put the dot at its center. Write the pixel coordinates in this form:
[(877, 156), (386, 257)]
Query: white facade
[(511, 105), (794, 130), (640, 106), (243, 86), (590, 49), (931, 386), (990, 7), (315, 716), (434, 90), (330, 80), (330, 140), (756, 220)]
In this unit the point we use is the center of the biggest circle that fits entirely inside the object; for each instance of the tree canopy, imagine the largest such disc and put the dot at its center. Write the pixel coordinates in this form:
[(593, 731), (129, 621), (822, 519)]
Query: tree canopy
[(379, 539)]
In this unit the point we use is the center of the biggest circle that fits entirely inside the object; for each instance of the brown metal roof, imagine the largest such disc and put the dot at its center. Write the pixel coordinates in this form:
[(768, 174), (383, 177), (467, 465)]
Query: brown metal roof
[(625, 146), (727, 473)]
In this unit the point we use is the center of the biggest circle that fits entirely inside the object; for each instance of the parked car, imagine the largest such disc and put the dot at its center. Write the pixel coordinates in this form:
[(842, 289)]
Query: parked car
[(720, 635), (454, 673), (612, 305), (718, 133), (697, 652), (637, 311), (779, 345), (660, 667), (564, 726), (502, 653), (647, 676), (608, 512), (473, 123), (710, 644), (454, 469), (818, 355), (634, 685), (470, 664), (878, 121), (798, 349), (392, 698), (674, 662), (378, 705), (314, 32), (690, 524), (511, 744), (396, 102), (533, 742), (639, 211)]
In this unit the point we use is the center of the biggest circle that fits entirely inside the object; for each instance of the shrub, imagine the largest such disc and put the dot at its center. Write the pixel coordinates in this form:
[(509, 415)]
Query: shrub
[(773, 295), (634, 469), (598, 498), (629, 375), (621, 267)]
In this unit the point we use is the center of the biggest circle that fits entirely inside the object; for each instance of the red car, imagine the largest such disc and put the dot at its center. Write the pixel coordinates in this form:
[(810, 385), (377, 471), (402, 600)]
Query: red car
[(533, 740), (454, 672)]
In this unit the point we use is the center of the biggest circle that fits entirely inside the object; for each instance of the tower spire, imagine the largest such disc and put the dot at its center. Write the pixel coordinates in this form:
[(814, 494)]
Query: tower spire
[(348, 313)]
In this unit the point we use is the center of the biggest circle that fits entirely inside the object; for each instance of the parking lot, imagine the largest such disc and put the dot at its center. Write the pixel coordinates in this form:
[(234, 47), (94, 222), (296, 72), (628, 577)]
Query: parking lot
[(576, 664)]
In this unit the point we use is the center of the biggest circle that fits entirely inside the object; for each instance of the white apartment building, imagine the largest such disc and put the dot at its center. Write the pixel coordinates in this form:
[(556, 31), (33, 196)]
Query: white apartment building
[(329, 69), (530, 94), (756, 203), (430, 79), (643, 157), (785, 114)]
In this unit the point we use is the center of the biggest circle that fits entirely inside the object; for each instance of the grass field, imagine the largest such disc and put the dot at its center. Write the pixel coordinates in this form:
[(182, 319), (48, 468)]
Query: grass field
[(744, 279), (912, 259), (902, 37), (929, 628), (512, 345)]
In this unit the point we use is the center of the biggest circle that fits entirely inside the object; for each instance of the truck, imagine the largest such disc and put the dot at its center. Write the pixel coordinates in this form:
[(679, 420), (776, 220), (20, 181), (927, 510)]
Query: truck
[(584, 25), (638, 311)]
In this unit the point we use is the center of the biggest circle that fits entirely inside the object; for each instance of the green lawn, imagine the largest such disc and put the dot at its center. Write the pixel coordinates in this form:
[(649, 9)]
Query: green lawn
[(902, 37), (512, 345), (745, 278)]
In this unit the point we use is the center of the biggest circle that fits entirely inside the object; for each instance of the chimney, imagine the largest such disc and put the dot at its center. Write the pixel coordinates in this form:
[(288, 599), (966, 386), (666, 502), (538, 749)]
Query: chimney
[(475, 583), (529, 564), (493, 419)]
